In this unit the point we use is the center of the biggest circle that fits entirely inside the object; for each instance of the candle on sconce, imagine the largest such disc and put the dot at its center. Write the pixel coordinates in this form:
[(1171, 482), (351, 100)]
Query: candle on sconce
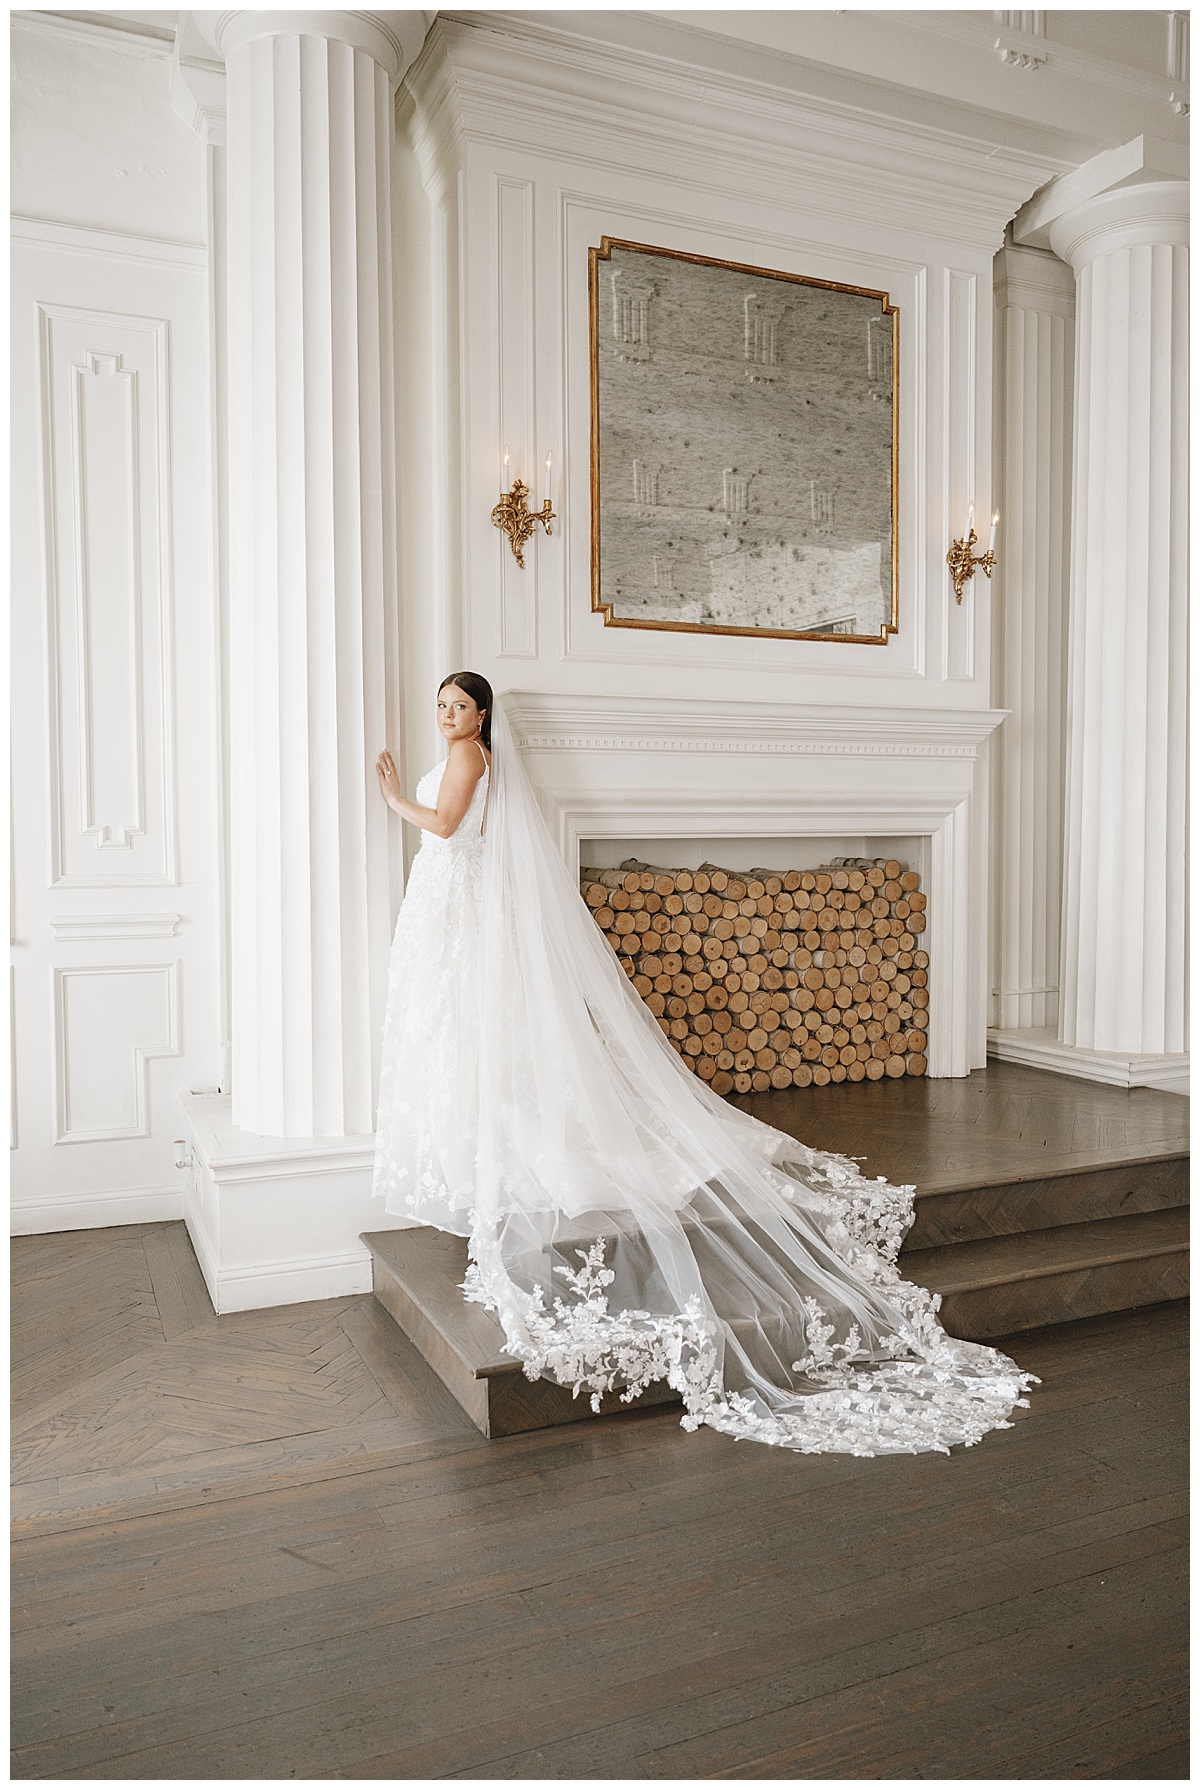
[(549, 457), (970, 522), (504, 470), (992, 538)]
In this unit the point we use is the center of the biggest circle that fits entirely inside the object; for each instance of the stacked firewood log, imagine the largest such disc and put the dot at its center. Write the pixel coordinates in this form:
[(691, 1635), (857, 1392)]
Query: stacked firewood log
[(775, 980)]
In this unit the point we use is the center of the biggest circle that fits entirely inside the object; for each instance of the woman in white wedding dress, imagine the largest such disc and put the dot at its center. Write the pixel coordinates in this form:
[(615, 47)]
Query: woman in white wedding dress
[(625, 1224)]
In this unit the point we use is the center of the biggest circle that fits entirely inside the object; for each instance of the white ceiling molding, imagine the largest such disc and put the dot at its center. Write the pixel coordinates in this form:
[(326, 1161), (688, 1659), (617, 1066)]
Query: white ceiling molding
[(149, 34), (638, 111), (978, 28)]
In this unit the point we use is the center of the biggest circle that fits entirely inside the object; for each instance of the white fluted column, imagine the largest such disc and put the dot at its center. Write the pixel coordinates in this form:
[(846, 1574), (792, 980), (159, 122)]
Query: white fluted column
[(312, 560), (1035, 309), (1124, 952)]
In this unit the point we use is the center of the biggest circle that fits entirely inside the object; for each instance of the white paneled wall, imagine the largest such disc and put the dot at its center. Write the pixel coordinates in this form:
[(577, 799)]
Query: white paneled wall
[(115, 978), (617, 144)]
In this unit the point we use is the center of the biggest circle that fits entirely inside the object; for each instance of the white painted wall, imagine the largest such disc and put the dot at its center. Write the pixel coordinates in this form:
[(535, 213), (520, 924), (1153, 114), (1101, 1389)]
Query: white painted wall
[(94, 139), (115, 980)]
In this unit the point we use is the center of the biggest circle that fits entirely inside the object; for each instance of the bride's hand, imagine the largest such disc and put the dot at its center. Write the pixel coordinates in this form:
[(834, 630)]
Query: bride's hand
[(389, 780)]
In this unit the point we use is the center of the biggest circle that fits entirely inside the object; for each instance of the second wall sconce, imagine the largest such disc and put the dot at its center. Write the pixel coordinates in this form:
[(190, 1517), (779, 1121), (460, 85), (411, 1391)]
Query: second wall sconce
[(963, 563), (514, 516)]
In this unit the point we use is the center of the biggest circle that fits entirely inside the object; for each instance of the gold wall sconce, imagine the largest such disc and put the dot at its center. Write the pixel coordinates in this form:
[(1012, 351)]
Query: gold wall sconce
[(963, 563), (514, 516)]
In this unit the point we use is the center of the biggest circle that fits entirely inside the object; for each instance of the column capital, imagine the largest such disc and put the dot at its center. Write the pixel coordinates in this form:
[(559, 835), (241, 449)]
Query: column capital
[(392, 39), (1034, 280), (1153, 212)]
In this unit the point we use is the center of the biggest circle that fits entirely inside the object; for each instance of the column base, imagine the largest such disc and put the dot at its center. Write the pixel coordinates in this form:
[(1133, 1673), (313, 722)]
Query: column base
[(1041, 1048), (277, 1220)]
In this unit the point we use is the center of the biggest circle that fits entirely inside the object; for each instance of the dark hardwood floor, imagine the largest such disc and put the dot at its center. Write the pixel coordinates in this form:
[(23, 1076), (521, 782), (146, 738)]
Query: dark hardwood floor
[(270, 1545), (1003, 1122)]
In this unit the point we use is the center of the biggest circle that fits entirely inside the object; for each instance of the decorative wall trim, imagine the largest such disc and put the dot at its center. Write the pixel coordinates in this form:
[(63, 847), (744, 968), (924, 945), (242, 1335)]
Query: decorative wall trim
[(94, 1211), (516, 402), (960, 468), (1041, 1048), (114, 926), (134, 349), (631, 723), (75, 239), (65, 1131)]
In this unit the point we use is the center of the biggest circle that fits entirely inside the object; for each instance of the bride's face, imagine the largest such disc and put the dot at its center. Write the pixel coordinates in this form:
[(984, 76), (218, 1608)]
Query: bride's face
[(458, 716)]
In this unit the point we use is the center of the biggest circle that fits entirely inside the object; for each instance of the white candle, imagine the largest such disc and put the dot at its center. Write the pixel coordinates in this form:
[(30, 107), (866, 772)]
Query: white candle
[(504, 471), (992, 539), (549, 457), (970, 522)]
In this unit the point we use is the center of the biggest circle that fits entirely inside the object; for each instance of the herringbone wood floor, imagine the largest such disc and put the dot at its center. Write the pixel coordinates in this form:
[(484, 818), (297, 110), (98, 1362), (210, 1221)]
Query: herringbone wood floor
[(270, 1546), (126, 1386)]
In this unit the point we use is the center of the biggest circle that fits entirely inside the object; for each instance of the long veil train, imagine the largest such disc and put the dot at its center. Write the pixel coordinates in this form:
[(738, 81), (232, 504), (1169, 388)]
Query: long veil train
[(629, 1226)]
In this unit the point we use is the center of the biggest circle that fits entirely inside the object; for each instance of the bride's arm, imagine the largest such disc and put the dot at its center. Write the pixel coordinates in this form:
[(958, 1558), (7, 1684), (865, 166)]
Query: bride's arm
[(463, 770)]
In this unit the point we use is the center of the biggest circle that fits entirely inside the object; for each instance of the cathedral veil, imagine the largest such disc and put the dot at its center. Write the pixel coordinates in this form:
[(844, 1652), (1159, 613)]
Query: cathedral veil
[(628, 1226)]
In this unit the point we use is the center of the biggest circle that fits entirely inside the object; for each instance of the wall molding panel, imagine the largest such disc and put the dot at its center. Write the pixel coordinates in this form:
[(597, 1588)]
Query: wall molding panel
[(110, 245), (114, 926), (105, 440), (103, 1094), (966, 360), (517, 405)]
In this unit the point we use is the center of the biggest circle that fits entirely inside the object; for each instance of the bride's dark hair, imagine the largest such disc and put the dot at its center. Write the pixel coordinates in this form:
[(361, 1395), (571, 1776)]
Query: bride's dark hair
[(480, 692)]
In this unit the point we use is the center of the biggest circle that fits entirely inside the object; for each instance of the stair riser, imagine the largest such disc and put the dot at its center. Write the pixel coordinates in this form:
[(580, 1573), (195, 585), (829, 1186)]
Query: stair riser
[(1008, 1208), (981, 1313), (500, 1403)]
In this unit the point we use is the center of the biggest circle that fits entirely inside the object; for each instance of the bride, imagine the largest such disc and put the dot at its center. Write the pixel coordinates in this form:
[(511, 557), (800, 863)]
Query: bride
[(624, 1223)]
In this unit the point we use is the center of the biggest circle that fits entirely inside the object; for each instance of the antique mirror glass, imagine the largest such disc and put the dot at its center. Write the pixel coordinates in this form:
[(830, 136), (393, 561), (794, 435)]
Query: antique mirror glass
[(744, 449)]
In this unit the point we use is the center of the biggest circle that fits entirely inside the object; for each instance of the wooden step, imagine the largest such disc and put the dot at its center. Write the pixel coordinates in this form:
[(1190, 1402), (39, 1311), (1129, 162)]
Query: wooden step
[(998, 1207), (417, 1277), (996, 1286)]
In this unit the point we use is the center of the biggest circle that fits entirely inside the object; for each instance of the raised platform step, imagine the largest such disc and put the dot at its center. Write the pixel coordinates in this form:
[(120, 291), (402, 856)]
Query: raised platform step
[(1000, 1285), (1001, 1208), (417, 1277), (1006, 1255)]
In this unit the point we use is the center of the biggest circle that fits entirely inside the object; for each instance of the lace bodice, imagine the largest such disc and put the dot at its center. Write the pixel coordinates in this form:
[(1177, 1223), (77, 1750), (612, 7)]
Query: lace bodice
[(467, 836)]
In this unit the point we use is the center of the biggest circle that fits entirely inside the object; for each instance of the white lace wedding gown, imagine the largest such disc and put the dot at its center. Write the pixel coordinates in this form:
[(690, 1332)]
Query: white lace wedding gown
[(625, 1223)]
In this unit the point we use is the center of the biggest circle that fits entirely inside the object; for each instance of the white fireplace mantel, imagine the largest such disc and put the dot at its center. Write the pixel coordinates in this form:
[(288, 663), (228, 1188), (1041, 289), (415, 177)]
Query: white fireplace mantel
[(679, 768)]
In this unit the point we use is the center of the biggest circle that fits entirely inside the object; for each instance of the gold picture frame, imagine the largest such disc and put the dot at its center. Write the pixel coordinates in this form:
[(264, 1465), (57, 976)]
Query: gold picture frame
[(634, 352)]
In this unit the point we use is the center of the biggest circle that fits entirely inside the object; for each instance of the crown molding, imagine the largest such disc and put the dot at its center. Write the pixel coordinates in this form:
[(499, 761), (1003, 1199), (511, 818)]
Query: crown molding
[(638, 110), (111, 30)]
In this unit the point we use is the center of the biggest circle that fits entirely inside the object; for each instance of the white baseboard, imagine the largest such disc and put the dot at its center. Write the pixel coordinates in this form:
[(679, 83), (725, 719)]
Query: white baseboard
[(1039, 1047), (292, 1282), (95, 1211)]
